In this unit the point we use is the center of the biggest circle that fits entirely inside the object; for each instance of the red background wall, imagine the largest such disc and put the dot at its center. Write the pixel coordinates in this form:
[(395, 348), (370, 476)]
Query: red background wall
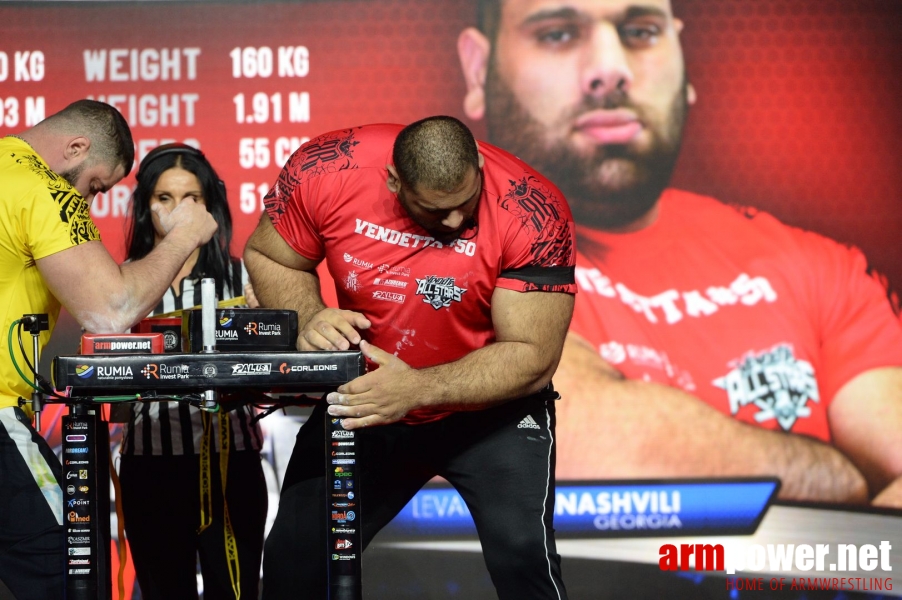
[(797, 112)]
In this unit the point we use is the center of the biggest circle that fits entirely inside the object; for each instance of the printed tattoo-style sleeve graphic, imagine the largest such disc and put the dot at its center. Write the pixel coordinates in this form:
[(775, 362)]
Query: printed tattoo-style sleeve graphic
[(328, 153), (541, 213), (74, 210)]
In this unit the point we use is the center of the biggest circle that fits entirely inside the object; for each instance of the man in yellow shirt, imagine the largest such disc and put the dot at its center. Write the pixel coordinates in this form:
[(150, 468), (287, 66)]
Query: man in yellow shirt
[(51, 255)]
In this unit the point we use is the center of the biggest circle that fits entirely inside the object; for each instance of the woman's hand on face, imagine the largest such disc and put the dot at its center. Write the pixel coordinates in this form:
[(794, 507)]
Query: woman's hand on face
[(172, 190)]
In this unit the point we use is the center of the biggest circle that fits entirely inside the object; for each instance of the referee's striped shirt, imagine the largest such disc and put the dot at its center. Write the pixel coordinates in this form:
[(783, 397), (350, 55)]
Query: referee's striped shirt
[(175, 428)]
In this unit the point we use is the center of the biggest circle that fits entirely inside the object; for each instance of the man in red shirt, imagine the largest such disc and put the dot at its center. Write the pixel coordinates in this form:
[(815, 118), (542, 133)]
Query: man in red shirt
[(702, 334), (454, 273)]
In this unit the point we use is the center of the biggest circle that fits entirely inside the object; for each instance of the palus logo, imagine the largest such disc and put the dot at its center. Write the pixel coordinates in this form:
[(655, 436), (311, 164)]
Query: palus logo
[(225, 321), (84, 371)]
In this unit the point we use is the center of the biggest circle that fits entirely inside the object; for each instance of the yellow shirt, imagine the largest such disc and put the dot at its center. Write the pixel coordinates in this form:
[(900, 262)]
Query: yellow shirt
[(40, 214)]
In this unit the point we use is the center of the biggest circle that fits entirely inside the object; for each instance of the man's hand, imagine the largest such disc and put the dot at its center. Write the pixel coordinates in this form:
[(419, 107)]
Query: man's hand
[(529, 328), (120, 295), (380, 397), (891, 496), (188, 216), (332, 329), (250, 297)]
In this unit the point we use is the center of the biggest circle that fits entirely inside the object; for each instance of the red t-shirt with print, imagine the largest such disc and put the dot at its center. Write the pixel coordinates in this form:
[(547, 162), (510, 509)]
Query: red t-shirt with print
[(760, 320), (429, 303)]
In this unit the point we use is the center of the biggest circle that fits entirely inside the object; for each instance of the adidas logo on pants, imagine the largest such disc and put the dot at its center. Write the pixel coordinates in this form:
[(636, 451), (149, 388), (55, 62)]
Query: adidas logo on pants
[(528, 423)]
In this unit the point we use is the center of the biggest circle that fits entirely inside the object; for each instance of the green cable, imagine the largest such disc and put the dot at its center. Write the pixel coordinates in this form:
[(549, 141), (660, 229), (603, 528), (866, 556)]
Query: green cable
[(12, 356), (119, 398)]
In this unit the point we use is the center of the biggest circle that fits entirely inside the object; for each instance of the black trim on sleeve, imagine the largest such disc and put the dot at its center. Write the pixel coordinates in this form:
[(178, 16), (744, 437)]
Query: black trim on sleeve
[(542, 275)]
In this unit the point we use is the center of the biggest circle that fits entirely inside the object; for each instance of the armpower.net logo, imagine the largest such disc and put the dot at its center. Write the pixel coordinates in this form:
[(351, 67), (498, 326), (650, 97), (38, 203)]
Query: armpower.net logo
[(818, 560)]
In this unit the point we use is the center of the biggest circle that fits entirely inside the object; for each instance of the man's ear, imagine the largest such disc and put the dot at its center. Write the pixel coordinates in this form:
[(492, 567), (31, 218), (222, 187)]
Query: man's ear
[(691, 96), (393, 182), (74, 153), (473, 50), (77, 148)]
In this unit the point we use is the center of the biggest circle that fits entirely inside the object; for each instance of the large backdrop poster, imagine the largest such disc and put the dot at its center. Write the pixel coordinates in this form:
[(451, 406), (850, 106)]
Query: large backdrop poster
[(796, 112)]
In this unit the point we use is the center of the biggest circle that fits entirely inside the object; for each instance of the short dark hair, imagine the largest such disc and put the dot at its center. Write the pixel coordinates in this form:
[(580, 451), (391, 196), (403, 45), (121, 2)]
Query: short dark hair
[(214, 259), (111, 138), (435, 153), (488, 13)]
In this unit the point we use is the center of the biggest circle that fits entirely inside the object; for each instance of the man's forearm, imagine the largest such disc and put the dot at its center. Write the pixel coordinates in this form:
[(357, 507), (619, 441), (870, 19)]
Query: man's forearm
[(278, 286), (114, 297), (513, 366), (614, 428), (281, 277), (145, 281), (529, 329), (486, 377)]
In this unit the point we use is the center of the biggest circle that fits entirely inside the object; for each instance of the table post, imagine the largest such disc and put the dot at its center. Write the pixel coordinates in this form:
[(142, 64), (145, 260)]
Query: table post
[(345, 535), (86, 503)]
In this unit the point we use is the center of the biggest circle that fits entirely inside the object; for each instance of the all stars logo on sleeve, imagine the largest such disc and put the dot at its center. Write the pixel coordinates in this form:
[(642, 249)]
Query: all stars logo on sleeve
[(439, 292)]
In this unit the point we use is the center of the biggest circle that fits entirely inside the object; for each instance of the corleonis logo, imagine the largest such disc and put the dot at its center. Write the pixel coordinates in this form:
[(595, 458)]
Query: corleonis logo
[(84, 371), (225, 321), (285, 368)]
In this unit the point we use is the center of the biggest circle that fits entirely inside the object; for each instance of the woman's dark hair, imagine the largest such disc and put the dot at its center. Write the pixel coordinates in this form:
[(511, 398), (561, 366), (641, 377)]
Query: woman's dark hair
[(215, 259)]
